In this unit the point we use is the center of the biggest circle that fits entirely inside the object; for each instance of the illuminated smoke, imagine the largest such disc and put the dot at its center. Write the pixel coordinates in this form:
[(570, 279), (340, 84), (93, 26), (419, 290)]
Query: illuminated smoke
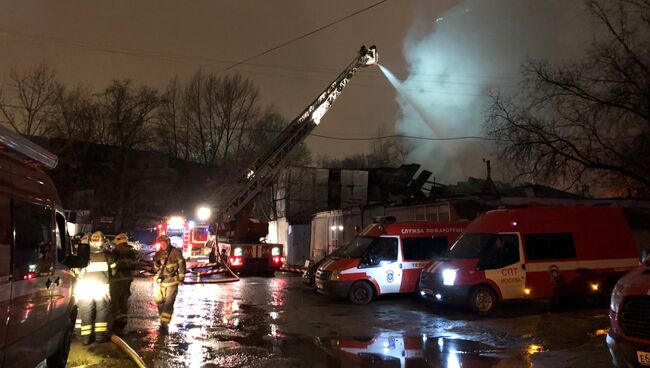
[(454, 58)]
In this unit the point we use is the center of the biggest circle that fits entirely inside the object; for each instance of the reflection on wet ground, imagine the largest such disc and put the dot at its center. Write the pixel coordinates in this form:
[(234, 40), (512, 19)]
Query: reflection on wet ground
[(276, 322)]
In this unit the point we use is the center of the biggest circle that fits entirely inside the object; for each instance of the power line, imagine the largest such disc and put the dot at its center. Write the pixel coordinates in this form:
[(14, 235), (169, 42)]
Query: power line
[(306, 34), (37, 39)]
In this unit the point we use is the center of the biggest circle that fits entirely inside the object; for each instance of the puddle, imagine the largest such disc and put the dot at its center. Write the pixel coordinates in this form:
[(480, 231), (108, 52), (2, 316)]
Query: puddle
[(394, 350)]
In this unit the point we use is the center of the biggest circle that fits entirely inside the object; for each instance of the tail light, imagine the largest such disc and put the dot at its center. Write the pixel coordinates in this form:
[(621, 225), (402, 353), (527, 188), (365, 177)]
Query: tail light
[(29, 275), (277, 260), (236, 261)]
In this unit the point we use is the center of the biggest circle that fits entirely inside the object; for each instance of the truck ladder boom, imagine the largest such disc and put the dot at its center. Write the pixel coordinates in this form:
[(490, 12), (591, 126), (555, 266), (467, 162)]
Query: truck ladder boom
[(263, 171)]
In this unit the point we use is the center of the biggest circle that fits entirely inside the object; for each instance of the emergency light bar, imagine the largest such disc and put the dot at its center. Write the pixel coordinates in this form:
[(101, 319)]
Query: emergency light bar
[(27, 148)]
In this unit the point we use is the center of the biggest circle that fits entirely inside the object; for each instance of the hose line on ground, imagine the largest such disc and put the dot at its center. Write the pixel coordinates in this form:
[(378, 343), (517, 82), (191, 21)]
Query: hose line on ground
[(128, 350)]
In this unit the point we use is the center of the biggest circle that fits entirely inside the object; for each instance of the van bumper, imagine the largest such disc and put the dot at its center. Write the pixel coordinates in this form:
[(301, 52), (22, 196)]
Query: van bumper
[(433, 290), (623, 352), (333, 288)]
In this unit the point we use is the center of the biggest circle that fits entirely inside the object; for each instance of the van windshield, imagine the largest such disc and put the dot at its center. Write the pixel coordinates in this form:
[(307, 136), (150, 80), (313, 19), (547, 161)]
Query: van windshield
[(357, 247), (470, 245)]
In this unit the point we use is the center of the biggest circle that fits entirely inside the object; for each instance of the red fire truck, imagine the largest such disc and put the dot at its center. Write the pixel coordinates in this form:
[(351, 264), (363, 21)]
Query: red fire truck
[(189, 236)]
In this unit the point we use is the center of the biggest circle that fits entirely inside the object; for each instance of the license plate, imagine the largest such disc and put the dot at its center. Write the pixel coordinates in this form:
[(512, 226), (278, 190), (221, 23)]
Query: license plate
[(643, 357), (427, 291)]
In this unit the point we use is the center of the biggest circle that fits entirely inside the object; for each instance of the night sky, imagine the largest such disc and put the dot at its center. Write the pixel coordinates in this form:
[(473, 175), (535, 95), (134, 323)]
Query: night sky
[(151, 41)]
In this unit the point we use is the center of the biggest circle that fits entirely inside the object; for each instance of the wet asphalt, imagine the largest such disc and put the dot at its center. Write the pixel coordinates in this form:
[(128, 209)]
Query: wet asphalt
[(279, 322)]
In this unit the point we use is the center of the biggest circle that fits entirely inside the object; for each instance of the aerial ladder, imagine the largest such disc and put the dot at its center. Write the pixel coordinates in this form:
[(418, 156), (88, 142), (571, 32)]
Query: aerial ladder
[(262, 172), (233, 225)]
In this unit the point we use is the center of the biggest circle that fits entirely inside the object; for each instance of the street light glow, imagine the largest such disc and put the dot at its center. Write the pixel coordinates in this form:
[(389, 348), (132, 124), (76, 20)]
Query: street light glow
[(203, 213)]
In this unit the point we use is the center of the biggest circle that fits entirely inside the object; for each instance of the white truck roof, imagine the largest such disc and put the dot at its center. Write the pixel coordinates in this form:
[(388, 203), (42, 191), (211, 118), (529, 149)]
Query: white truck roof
[(27, 148)]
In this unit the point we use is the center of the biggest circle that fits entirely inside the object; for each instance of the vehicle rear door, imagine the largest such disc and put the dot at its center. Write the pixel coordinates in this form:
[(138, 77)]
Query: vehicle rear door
[(387, 271), (5, 270), (419, 252), (33, 271)]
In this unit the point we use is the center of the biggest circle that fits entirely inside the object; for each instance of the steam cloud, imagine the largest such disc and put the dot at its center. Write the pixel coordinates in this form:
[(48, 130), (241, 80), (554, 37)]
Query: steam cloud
[(456, 57)]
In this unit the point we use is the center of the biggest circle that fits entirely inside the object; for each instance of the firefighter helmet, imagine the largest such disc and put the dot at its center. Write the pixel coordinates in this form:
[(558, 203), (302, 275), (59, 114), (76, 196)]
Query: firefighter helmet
[(121, 239), (97, 241), (165, 238)]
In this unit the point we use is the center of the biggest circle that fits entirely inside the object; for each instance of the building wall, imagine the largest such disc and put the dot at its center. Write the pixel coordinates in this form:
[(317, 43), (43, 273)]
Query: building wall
[(302, 191)]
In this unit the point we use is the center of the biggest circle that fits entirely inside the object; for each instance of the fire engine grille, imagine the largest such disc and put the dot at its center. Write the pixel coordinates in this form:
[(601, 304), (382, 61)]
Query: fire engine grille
[(635, 316)]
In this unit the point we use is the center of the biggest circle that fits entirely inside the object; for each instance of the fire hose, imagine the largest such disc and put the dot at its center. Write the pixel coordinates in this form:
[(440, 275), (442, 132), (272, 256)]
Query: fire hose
[(222, 268), (128, 350)]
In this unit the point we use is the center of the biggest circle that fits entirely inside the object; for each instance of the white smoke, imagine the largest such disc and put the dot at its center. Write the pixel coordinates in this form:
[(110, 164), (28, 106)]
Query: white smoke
[(454, 58)]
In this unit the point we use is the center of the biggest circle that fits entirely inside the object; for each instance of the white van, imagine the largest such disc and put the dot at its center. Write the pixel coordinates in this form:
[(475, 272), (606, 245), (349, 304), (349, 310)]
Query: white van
[(37, 307)]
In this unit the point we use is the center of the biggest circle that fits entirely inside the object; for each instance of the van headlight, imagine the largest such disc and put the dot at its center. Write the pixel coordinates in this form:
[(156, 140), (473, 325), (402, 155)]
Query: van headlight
[(616, 300), (88, 289), (448, 277), (335, 275)]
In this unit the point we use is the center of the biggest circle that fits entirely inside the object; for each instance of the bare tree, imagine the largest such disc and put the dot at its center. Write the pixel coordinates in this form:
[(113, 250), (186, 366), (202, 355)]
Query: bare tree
[(129, 113), (75, 116), (27, 100), (171, 131), (586, 119)]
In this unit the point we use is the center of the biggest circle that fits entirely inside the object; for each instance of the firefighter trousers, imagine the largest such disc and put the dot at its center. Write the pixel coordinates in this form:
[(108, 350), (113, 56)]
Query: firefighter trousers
[(94, 319), (120, 293), (165, 297)]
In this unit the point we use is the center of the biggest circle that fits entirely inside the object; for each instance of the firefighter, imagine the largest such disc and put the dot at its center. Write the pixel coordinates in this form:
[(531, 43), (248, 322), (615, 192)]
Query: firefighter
[(123, 259), (169, 266), (92, 292)]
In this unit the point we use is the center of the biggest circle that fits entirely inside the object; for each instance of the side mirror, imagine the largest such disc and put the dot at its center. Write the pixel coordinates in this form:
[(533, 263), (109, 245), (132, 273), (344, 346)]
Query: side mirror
[(82, 258)]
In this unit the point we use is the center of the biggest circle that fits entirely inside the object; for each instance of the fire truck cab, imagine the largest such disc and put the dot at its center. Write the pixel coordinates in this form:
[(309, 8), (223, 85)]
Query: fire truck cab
[(386, 257), (37, 306), (188, 236), (534, 252)]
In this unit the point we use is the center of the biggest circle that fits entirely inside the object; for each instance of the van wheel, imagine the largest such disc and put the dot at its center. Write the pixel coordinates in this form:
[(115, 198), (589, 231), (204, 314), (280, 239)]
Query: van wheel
[(483, 300), (360, 293), (60, 357)]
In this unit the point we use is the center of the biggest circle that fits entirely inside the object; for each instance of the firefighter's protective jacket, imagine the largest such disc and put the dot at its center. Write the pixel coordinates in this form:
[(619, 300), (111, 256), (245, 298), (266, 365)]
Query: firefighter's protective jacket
[(97, 270), (123, 259), (170, 265)]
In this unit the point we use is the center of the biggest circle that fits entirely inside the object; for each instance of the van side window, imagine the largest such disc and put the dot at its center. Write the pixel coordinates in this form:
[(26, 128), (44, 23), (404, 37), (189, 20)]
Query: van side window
[(549, 246), (385, 249), (502, 251), (62, 246), (425, 248), (5, 235), (33, 250)]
